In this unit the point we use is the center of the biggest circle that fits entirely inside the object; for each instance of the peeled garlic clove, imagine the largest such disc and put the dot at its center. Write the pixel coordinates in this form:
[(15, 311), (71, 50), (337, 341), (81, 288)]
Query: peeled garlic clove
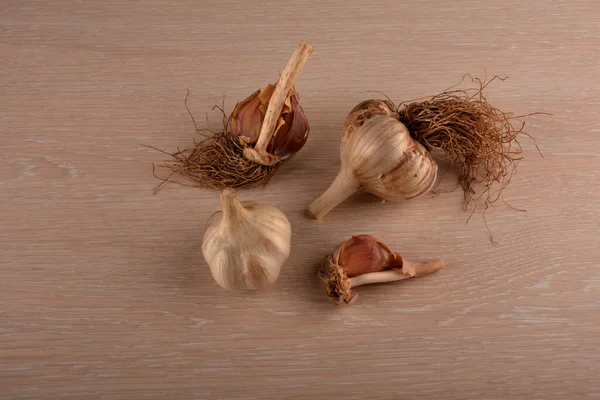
[(363, 260), (379, 157), (248, 245)]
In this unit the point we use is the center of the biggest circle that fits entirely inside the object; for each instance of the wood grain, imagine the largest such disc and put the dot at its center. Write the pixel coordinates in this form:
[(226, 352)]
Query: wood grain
[(103, 290)]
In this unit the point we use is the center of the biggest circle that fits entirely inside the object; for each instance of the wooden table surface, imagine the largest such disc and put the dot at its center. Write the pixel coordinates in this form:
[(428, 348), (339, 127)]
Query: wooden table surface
[(104, 293)]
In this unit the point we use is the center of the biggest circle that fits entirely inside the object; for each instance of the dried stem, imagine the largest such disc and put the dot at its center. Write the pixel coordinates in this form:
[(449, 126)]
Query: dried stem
[(282, 91), (342, 187), (232, 208), (378, 277)]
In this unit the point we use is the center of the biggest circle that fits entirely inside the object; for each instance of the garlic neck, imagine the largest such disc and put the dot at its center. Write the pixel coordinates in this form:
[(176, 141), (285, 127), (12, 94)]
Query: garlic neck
[(344, 185), (232, 208)]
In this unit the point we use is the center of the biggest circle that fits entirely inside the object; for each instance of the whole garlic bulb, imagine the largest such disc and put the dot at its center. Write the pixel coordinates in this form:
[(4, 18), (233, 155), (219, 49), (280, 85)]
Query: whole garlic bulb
[(378, 156), (290, 133), (247, 247)]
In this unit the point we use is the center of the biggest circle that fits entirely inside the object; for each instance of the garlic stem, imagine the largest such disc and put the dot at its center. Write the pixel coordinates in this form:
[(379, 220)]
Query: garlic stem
[(409, 270), (342, 187), (283, 88), (232, 208), (378, 277), (417, 269)]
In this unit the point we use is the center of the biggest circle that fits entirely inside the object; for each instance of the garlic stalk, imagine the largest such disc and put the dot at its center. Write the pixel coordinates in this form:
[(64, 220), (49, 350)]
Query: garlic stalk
[(248, 245), (378, 156), (364, 260)]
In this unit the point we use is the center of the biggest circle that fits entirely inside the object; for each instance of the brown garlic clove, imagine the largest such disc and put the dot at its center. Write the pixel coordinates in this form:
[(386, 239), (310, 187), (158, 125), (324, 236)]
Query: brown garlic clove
[(248, 115), (363, 260), (291, 135), (364, 254)]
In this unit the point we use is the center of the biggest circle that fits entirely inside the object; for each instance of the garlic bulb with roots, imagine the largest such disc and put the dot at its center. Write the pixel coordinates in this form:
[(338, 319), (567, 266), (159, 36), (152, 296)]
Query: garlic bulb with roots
[(264, 130), (385, 148), (378, 156), (247, 247)]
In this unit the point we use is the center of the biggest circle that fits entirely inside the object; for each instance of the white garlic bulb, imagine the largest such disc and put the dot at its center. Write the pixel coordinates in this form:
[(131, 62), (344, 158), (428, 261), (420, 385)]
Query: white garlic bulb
[(247, 247), (378, 156)]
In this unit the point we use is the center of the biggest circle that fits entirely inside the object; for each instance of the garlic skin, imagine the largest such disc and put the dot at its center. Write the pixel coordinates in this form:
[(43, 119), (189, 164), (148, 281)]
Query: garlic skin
[(379, 157), (291, 130), (387, 161), (248, 245), (364, 111)]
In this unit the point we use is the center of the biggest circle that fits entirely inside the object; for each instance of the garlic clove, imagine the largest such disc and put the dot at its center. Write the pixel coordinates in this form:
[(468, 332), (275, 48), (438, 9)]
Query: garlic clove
[(247, 247), (363, 260), (292, 134), (364, 254), (248, 115), (365, 111)]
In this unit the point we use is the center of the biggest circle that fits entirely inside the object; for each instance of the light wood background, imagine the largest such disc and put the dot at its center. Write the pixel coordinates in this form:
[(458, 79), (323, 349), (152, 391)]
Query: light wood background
[(104, 293)]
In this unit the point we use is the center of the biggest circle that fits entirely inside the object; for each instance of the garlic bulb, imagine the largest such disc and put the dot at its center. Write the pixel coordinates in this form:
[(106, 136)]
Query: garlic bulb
[(270, 122), (247, 247), (290, 133), (378, 156), (363, 260)]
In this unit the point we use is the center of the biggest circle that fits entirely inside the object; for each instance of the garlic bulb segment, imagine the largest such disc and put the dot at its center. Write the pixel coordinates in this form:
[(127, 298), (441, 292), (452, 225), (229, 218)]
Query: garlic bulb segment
[(365, 111), (363, 260), (248, 245), (381, 158)]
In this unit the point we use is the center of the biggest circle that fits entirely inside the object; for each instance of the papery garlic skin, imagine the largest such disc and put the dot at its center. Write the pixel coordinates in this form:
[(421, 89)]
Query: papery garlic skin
[(387, 161), (364, 111), (291, 130), (363, 254), (248, 245)]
